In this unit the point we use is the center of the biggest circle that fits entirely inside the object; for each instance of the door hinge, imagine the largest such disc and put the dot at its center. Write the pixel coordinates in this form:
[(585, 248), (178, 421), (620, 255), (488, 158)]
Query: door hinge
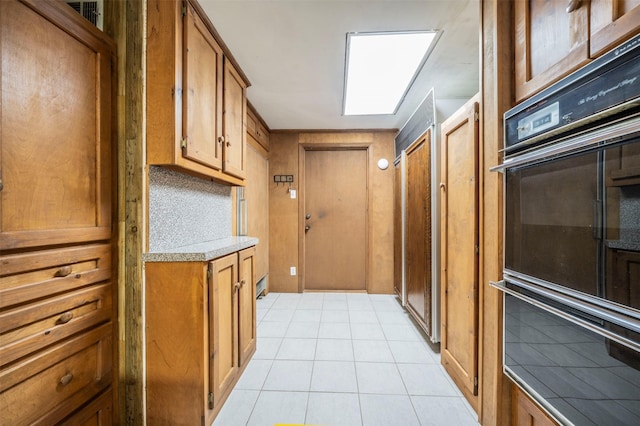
[(183, 143), (209, 273), (184, 9), (476, 116), (210, 399), (477, 249), (475, 385)]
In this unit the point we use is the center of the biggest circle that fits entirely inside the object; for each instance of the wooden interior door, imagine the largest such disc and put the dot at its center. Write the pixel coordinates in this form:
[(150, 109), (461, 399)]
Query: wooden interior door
[(459, 249), (418, 232), (202, 93), (335, 197)]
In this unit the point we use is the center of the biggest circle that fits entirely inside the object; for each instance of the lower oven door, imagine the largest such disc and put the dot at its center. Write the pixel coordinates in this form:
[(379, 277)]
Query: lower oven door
[(577, 365)]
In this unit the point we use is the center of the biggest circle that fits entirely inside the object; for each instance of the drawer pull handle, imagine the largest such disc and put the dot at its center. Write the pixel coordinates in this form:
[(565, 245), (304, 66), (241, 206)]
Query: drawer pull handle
[(65, 318), (66, 379), (63, 272), (573, 5)]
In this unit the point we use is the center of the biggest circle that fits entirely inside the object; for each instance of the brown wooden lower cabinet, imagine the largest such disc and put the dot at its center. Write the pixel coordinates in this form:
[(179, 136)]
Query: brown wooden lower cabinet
[(525, 412), (200, 335)]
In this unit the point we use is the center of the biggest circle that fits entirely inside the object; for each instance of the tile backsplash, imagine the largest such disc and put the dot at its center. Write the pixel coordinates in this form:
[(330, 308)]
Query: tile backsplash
[(186, 210)]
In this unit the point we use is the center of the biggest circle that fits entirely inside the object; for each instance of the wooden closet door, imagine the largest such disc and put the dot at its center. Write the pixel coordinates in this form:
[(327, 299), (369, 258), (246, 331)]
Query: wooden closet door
[(55, 140), (459, 249), (418, 232)]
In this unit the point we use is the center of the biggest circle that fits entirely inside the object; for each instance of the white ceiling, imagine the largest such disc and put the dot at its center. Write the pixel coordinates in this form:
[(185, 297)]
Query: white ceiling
[(293, 53)]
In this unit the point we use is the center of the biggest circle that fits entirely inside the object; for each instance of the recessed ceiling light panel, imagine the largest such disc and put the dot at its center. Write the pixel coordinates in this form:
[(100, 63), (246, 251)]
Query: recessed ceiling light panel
[(380, 68)]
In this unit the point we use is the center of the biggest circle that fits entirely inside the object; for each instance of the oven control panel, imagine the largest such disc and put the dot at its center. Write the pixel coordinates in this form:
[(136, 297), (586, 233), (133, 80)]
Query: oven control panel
[(541, 120)]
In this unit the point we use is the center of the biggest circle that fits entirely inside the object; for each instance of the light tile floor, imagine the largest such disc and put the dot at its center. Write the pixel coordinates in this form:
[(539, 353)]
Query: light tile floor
[(342, 359)]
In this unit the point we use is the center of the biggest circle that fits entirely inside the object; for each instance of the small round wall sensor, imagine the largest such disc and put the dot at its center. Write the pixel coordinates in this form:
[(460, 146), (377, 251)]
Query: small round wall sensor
[(383, 163)]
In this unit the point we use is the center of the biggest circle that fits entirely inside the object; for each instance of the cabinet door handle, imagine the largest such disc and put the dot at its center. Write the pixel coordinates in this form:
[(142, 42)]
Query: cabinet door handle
[(65, 318), (63, 272), (228, 143), (236, 287), (221, 139), (242, 283), (573, 5), (66, 379)]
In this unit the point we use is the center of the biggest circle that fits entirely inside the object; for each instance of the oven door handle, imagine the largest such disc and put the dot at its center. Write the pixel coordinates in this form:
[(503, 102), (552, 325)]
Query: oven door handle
[(597, 220)]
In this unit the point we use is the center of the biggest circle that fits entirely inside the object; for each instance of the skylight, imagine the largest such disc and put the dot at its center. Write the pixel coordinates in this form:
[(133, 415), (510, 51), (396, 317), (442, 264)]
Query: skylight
[(381, 67)]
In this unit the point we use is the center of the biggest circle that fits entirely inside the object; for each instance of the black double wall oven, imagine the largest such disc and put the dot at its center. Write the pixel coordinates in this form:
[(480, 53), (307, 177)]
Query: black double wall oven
[(572, 243)]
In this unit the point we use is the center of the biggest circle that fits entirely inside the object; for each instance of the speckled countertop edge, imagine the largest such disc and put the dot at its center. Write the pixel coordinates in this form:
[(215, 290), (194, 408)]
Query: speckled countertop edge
[(201, 252)]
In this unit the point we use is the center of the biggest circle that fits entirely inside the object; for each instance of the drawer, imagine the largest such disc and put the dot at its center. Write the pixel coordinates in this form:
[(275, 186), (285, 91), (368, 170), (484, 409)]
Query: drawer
[(47, 387), (33, 275), (31, 327), (98, 412)]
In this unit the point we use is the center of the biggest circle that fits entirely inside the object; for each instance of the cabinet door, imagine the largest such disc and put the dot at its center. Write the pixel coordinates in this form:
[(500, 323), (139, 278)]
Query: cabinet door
[(418, 242), (550, 42), (459, 249), (55, 127), (202, 94), (223, 326), (247, 304), (526, 412), (235, 108), (611, 22)]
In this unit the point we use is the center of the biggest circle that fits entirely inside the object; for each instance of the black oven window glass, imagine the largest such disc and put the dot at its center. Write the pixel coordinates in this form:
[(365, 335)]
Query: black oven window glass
[(551, 211), (622, 235), (578, 375)]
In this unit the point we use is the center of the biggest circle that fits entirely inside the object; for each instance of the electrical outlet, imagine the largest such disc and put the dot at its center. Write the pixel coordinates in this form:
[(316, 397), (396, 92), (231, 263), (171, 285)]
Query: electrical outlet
[(293, 271)]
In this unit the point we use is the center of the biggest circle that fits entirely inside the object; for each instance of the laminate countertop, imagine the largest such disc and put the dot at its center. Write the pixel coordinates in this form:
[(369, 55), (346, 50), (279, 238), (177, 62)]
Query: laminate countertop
[(201, 252)]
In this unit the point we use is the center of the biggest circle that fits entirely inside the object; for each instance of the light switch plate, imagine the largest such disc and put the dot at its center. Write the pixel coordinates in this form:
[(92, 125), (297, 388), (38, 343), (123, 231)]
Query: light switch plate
[(293, 193)]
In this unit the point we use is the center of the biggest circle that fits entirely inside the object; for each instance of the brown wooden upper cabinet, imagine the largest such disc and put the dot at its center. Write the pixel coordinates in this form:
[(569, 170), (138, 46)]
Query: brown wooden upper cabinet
[(554, 38), (257, 130), (196, 98)]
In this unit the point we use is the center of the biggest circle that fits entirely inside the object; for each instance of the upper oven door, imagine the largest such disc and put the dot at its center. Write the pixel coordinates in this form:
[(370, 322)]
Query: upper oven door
[(552, 225), (573, 221)]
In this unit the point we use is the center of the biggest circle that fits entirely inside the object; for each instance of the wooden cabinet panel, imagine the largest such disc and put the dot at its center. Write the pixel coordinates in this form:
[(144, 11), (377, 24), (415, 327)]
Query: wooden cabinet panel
[(256, 129), (459, 248), (611, 22), (235, 109), (247, 305), (256, 194), (28, 328), (50, 385), (190, 111), (98, 413), (224, 325), (202, 93), (32, 275), (177, 351), (56, 203), (418, 242), (525, 412), (200, 335), (58, 124), (550, 42)]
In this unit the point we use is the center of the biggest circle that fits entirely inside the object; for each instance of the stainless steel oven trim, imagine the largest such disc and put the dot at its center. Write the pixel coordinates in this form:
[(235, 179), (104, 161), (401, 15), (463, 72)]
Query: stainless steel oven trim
[(526, 388), (548, 408), (594, 137), (580, 306), (574, 294)]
